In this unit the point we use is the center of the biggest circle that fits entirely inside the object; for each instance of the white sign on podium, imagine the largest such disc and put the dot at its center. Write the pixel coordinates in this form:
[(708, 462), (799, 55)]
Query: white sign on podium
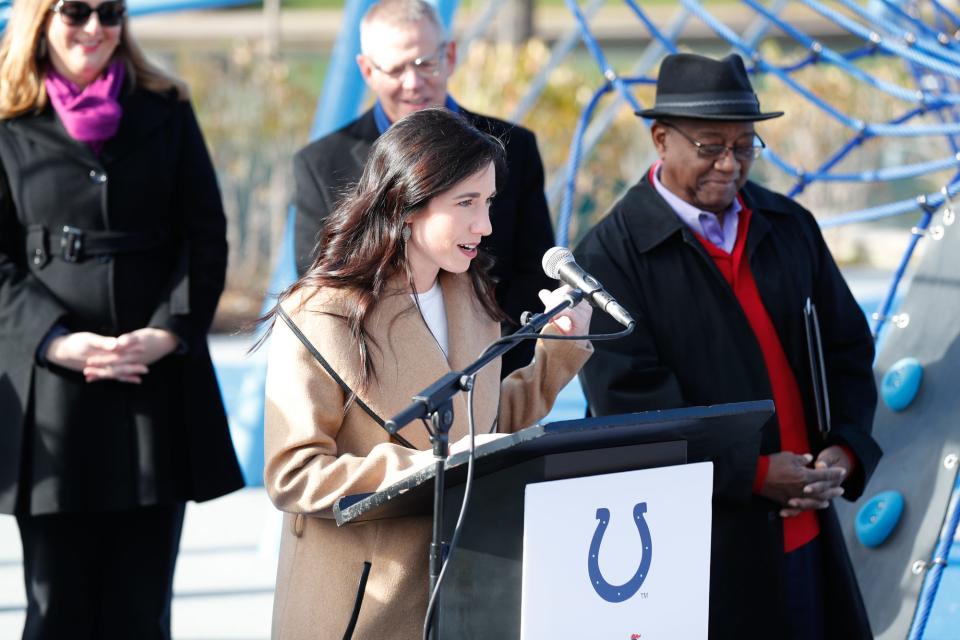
[(621, 556)]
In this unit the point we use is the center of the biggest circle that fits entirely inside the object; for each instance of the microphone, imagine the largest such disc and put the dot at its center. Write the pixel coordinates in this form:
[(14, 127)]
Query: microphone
[(558, 263)]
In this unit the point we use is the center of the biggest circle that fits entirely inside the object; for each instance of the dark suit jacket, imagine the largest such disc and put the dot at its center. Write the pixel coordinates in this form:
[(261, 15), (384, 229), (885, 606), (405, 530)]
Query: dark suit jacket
[(693, 346), (522, 232), (69, 446)]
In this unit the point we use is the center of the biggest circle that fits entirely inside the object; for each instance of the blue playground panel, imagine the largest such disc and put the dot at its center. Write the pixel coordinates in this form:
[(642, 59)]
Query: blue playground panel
[(145, 7), (230, 377)]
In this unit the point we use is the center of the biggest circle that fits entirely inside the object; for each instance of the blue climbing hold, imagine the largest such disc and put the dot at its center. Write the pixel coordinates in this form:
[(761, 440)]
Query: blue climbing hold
[(878, 518), (901, 382)]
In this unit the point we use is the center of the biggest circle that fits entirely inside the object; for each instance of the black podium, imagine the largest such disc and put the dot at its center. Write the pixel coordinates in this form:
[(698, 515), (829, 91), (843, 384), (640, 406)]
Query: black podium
[(481, 592)]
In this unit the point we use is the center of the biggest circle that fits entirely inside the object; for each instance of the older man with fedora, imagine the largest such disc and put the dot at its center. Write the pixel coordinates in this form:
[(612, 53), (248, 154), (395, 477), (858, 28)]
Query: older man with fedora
[(718, 272)]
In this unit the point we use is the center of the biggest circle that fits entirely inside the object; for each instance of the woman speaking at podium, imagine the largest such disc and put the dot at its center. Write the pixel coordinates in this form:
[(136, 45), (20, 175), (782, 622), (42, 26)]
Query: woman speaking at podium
[(398, 296)]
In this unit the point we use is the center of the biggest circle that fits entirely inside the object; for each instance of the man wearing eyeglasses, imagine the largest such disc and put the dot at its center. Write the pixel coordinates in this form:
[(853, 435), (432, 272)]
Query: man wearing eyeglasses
[(406, 61), (717, 270)]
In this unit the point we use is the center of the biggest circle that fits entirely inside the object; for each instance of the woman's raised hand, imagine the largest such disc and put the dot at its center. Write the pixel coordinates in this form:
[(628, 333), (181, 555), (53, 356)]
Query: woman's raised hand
[(571, 321)]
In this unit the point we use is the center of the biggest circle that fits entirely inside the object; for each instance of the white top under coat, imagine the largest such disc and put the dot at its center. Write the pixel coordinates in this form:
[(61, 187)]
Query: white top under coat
[(435, 314)]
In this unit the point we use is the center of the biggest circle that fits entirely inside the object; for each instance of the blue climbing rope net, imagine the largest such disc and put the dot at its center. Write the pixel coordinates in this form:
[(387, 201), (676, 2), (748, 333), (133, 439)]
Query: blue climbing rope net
[(922, 36), (931, 52)]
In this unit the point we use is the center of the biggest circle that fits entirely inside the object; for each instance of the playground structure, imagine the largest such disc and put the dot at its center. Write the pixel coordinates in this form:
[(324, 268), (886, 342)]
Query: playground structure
[(910, 574)]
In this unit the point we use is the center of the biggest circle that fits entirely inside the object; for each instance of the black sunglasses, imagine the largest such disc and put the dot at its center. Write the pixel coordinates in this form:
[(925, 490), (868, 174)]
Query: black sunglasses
[(76, 13)]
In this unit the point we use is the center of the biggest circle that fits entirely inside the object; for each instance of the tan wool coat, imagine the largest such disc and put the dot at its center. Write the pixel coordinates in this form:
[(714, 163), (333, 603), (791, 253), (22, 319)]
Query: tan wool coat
[(315, 454)]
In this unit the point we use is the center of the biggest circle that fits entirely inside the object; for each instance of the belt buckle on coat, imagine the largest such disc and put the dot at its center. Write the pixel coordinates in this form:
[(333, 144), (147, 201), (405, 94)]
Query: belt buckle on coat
[(71, 244)]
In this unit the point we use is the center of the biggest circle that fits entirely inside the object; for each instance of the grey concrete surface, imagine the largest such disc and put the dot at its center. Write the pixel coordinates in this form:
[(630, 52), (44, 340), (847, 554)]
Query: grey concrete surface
[(223, 587)]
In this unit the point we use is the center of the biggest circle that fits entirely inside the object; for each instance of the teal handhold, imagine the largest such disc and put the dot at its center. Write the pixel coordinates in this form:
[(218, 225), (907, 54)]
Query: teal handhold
[(877, 519), (900, 383)]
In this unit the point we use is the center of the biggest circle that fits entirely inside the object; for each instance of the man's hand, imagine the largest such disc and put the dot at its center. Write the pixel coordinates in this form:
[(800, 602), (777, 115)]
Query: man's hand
[(798, 487), (132, 355), (833, 457)]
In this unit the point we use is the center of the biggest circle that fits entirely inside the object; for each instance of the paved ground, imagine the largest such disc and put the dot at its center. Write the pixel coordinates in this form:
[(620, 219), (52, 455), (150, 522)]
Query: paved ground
[(224, 582)]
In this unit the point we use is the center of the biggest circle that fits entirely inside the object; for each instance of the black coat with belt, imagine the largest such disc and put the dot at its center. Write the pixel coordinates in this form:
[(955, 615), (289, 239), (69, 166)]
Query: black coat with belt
[(694, 346), (70, 446), (522, 232)]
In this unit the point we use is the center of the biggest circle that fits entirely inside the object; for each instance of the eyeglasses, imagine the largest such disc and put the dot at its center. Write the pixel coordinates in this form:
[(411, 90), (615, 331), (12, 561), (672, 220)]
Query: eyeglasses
[(714, 151), (76, 13), (426, 67)]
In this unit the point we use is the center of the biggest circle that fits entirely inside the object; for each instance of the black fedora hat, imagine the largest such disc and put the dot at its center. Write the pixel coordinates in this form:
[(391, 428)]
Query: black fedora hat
[(692, 86)]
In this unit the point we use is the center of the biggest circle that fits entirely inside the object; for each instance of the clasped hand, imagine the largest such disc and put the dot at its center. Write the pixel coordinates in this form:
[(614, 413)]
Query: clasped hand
[(798, 485), (125, 358)]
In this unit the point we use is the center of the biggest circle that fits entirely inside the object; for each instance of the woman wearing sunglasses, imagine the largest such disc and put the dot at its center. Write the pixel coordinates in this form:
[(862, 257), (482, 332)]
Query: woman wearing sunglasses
[(112, 259)]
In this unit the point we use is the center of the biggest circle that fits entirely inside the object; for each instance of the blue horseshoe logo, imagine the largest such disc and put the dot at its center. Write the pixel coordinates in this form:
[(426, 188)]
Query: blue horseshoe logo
[(604, 589)]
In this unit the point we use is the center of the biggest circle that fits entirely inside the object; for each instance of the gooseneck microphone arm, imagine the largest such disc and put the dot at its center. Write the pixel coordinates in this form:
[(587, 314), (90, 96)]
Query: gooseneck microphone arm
[(430, 399)]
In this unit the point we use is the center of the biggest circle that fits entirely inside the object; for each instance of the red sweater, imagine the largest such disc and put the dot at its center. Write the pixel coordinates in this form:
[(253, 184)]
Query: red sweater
[(799, 530)]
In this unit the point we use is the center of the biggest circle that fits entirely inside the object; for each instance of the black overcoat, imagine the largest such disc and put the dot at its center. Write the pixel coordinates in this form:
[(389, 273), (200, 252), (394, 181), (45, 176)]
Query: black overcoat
[(69, 446), (522, 232), (694, 346)]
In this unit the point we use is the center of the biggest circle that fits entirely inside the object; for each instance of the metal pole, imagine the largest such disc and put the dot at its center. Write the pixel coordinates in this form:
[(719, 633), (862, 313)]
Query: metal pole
[(271, 21), (515, 22)]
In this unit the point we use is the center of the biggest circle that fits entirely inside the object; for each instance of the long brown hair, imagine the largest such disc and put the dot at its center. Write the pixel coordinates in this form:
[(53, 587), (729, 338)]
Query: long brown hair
[(361, 247), (24, 60)]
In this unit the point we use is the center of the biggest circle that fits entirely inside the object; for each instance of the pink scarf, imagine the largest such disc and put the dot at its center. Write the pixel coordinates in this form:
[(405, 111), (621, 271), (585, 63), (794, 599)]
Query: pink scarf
[(90, 115)]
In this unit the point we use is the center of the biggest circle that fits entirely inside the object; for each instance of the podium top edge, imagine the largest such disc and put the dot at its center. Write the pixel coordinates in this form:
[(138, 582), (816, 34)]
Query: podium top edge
[(659, 425)]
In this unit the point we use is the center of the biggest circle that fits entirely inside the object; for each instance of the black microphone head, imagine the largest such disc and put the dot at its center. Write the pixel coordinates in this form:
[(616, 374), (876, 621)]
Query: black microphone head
[(555, 258)]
